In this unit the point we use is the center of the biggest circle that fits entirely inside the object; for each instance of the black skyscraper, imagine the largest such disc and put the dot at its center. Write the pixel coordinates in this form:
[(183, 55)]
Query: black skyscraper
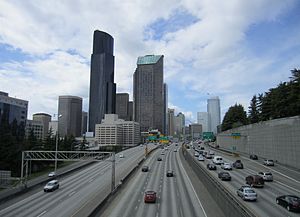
[(102, 86)]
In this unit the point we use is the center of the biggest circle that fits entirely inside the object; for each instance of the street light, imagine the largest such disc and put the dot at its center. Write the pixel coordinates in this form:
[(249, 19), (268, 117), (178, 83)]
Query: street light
[(56, 144)]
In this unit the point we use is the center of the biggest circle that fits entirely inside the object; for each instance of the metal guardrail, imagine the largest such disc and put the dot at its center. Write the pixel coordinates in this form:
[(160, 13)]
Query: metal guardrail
[(229, 204)]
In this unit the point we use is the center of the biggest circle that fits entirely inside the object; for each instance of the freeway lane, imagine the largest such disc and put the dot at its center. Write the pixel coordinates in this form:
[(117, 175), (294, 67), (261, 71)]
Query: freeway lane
[(75, 190), (175, 195), (266, 204)]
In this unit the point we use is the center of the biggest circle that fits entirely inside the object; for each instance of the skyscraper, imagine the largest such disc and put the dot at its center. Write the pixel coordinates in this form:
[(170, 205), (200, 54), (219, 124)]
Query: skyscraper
[(179, 123), (214, 113), (130, 111), (148, 92), (165, 95), (70, 115), (12, 109), (122, 100), (84, 122), (102, 86), (202, 118), (171, 122)]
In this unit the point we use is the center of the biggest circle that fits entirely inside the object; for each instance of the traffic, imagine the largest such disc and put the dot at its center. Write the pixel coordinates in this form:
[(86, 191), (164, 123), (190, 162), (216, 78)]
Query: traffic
[(262, 181)]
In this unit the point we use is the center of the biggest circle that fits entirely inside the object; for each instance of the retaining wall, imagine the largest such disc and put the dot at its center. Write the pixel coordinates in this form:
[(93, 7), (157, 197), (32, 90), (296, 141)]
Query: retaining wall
[(277, 139)]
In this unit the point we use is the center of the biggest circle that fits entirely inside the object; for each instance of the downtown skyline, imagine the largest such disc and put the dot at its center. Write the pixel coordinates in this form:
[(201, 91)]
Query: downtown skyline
[(232, 49)]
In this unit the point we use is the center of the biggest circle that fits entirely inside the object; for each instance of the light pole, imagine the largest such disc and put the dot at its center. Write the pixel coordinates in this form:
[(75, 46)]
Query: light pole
[(56, 143)]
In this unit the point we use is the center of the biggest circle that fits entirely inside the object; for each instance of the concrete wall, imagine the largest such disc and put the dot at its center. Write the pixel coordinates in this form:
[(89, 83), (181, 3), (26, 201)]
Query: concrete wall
[(277, 139)]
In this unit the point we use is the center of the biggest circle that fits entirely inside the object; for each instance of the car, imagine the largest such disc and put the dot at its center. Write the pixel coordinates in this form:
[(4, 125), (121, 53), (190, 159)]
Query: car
[(267, 176), (290, 202), (150, 197), (196, 154), (217, 160), (159, 159), (253, 157), (224, 176), (200, 158), (52, 174), (175, 150), (211, 152), (51, 186), (145, 169), (255, 181), (163, 153), (269, 162), (211, 166), (170, 173), (226, 166), (247, 193), (238, 164), (121, 156), (176, 144)]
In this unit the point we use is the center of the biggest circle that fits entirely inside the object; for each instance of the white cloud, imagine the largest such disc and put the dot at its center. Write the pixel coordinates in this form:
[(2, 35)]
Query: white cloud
[(208, 56)]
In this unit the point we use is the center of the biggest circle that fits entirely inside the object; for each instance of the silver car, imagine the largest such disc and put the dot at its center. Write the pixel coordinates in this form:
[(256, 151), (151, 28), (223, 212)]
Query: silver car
[(51, 186), (226, 166), (247, 193), (267, 176), (269, 162)]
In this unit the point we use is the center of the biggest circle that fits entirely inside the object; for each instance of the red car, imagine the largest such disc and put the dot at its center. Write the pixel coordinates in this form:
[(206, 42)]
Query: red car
[(150, 197)]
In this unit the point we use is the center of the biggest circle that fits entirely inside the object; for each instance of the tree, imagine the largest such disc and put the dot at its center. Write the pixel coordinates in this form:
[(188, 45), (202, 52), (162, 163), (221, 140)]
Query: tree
[(253, 110), (234, 117)]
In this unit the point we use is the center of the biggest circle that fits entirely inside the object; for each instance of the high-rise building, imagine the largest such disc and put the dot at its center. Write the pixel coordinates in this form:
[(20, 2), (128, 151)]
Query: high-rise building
[(12, 109), (179, 124), (202, 118), (148, 93), (122, 100), (84, 122), (195, 131), (130, 111), (102, 86), (36, 128), (70, 115), (214, 113), (171, 121), (165, 95), (45, 120)]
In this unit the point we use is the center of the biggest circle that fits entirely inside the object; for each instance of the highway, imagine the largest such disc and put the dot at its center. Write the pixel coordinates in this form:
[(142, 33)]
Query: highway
[(76, 190), (286, 181), (175, 195)]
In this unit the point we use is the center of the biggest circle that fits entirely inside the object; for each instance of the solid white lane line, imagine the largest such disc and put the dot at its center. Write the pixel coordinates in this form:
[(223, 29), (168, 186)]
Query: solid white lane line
[(192, 187), (294, 189), (72, 193), (42, 213)]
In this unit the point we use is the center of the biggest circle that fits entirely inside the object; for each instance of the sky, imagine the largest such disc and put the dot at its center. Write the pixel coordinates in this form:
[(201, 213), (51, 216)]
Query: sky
[(231, 49)]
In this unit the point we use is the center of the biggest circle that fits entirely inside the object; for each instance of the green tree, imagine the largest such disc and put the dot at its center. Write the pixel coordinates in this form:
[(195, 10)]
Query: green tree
[(234, 117), (253, 110)]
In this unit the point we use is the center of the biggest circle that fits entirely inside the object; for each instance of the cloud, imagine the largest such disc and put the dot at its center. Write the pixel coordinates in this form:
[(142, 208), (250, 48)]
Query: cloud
[(43, 80), (205, 45)]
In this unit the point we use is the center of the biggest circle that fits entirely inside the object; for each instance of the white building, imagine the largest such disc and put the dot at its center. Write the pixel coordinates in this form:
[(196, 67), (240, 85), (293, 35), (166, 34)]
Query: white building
[(36, 127), (214, 113), (114, 131), (131, 133), (179, 124), (202, 118)]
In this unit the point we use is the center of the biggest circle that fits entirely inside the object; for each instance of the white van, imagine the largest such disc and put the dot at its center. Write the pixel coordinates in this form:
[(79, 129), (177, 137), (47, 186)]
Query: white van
[(218, 160)]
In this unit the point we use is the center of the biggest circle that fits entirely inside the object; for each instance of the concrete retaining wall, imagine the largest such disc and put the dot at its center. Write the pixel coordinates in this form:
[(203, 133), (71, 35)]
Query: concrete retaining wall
[(277, 139)]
